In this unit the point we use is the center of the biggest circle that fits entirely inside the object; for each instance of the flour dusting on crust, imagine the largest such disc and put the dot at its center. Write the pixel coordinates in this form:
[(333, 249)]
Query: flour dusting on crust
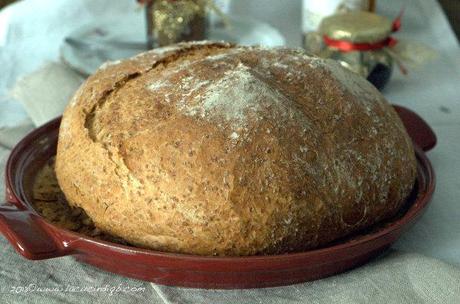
[(238, 94)]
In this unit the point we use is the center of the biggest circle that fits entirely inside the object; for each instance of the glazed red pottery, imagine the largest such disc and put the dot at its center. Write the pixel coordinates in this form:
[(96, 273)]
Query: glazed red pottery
[(34, 238)]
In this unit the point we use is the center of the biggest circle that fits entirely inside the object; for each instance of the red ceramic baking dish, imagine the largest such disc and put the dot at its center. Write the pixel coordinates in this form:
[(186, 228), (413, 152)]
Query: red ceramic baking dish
[(34, 238)]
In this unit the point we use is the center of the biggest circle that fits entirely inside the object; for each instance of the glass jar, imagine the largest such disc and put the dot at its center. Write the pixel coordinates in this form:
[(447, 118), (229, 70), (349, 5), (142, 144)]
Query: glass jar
[(313, 13), (360, 41), (172, 21)]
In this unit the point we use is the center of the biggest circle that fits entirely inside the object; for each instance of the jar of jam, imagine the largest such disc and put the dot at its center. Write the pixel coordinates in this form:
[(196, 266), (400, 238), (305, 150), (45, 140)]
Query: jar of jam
[(313, 13), (360, 41)]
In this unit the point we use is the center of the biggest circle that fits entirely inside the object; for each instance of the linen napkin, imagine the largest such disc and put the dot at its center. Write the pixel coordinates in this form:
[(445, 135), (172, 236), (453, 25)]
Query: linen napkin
[(45, 92), (397, 277)]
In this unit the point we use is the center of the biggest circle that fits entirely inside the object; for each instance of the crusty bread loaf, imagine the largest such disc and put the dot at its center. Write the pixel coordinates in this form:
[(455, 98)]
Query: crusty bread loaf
[(209, 148)]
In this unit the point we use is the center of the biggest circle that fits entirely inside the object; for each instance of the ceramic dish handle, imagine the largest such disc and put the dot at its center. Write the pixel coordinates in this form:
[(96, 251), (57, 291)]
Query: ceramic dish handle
[(24, 231), (418, 129)]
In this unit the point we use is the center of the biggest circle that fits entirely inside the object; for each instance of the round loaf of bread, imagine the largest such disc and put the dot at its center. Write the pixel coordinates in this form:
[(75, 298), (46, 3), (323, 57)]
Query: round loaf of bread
[(215, 149)]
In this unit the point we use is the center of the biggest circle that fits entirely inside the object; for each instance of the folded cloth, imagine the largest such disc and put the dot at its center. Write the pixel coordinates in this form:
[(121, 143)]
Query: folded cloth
[(397, 277), (9, 136), (45, 92)]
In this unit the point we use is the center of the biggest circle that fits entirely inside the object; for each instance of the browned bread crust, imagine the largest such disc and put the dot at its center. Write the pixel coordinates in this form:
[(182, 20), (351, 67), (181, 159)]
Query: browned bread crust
[(209, 148)]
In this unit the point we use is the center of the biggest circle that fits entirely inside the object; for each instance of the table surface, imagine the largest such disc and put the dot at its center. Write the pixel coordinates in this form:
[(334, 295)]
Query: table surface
[(431, 90)]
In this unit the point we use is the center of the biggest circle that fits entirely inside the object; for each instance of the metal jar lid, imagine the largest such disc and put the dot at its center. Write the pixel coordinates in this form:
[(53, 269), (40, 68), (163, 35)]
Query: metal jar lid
[(356, 27)]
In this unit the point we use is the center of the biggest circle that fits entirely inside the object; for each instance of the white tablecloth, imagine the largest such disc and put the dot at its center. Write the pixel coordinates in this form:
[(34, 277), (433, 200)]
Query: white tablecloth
[(30, 34)]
